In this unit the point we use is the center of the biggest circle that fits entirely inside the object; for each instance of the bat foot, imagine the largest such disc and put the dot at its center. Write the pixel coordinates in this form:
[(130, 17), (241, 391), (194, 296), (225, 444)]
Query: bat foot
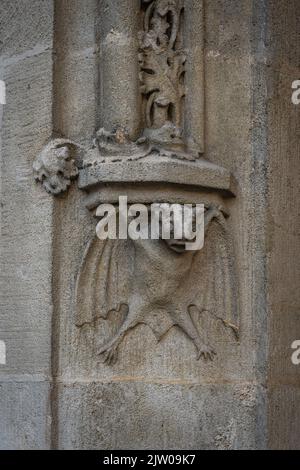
[(109, 354), (206, 352)]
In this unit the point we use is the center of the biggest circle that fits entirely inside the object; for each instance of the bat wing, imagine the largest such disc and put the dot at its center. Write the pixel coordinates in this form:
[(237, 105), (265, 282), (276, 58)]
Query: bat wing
[(104, 279), (213, 289)]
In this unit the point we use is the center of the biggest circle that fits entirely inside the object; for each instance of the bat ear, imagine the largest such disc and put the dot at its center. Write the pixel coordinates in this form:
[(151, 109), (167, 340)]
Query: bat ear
[(223, 211)]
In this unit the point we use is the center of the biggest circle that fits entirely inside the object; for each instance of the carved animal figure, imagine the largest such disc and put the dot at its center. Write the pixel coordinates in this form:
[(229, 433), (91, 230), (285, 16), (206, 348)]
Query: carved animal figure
[(158, 283)]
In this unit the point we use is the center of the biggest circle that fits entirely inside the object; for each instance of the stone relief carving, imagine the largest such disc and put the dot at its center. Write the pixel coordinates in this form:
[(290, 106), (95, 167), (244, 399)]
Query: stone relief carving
[(55, 166), (162, 67), (158, 283), (152, 282)]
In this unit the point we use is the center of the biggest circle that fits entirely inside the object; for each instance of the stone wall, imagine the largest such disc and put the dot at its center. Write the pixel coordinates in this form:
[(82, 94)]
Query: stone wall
[(71, 68)]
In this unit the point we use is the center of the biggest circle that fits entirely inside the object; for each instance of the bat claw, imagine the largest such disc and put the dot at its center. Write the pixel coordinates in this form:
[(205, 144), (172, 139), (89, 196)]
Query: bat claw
[(206, 352), (109, 354)]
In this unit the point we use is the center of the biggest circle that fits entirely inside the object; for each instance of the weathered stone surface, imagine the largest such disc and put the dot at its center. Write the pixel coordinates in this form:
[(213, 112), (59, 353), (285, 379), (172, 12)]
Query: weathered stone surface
[(73, 70), (283, 227), (220, 416), (201, 173), (26, 225), (25, 412)]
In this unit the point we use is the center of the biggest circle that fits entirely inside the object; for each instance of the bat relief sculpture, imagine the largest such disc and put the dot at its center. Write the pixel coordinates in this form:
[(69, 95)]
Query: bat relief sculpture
[(160, 284)]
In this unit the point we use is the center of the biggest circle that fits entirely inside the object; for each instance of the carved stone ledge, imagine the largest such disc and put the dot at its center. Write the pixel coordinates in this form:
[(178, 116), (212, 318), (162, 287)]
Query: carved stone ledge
[(148, 193), (153, 169)]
